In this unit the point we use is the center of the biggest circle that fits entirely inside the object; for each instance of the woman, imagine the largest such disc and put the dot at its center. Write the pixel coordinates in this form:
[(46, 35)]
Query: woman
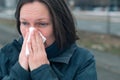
[(58, 58)]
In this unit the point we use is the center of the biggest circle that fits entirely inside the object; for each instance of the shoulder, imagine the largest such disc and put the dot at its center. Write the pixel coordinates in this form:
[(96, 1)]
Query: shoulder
[(81, 51), (10, 48), (84, 52), (9, 54), (81, 55)]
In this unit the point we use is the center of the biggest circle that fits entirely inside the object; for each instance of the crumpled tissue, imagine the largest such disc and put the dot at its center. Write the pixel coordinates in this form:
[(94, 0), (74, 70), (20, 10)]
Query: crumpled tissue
[(31, 29)]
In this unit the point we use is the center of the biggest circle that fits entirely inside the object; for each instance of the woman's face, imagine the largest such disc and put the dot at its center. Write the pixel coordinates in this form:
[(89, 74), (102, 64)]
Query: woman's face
[(37, 15)]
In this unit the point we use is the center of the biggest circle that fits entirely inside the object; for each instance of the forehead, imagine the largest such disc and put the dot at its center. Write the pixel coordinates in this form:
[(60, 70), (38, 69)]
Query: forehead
[(34, 10)]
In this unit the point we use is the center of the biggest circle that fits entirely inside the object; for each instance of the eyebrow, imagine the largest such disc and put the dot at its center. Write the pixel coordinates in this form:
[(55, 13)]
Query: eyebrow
[(42, 19), (39, 19)]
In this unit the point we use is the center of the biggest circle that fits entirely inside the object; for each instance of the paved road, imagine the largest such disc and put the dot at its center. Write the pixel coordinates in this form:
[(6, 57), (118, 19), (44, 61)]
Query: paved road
[(98, 26), (94, 26), (105, 74), (9, 33), (108, 66)]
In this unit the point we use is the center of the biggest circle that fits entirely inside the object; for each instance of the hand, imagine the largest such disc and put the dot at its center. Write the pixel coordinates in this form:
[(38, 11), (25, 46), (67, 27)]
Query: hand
[(37, 56), (23, 59)]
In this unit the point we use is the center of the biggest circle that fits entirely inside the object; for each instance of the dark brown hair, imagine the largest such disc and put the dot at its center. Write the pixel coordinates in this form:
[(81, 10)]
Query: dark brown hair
[(63, 23)]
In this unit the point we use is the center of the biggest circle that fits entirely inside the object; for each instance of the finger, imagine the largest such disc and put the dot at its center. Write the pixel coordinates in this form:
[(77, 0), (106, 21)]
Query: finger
[(41, 50), (30, 49), (25, 41), (33, 43), (39, 40), (26, 37)]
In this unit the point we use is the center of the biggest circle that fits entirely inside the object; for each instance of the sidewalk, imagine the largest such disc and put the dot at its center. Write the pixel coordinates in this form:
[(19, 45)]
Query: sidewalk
[(98, 13), (99, 16), (108, 61)]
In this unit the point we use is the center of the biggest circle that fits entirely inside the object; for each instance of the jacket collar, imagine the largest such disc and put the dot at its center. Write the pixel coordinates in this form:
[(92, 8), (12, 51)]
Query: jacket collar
[(65, 56)]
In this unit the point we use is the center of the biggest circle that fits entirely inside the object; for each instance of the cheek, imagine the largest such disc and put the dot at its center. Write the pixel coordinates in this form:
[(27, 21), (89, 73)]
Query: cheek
[(23, 31), (49, 34)]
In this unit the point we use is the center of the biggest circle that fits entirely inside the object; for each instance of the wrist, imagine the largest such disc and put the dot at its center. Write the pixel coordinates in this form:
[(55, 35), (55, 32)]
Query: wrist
[(35, 67), (24, 65)]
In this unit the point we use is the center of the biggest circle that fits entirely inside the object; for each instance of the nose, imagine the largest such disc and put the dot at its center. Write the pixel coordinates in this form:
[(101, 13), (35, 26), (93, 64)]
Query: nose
[(31, 29), (31, 26)]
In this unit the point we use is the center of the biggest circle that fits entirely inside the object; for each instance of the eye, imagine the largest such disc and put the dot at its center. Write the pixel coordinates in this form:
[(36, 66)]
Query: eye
[(42, 24), (24, 23)]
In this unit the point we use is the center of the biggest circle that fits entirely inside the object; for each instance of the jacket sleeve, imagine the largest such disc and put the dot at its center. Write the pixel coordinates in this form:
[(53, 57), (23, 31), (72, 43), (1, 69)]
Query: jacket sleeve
[(44, 72), (87, 71), (16, 72)]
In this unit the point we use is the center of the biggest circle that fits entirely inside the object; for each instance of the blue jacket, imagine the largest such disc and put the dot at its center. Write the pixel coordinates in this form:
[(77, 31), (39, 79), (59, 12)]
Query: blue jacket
[(75, 63)]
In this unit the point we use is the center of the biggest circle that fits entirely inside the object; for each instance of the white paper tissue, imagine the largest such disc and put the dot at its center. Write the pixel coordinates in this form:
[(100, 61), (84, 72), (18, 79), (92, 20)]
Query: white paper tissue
[(31, 29)]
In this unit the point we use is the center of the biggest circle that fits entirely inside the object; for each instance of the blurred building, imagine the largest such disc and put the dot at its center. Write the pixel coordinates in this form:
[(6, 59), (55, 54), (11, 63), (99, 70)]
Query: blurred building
[(2, 3), (83, 4), (91, 4), (8, 4)]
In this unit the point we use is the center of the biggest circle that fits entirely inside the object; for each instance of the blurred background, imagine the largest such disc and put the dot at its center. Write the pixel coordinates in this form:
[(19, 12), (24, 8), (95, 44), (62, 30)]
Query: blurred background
[(98, 26)]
